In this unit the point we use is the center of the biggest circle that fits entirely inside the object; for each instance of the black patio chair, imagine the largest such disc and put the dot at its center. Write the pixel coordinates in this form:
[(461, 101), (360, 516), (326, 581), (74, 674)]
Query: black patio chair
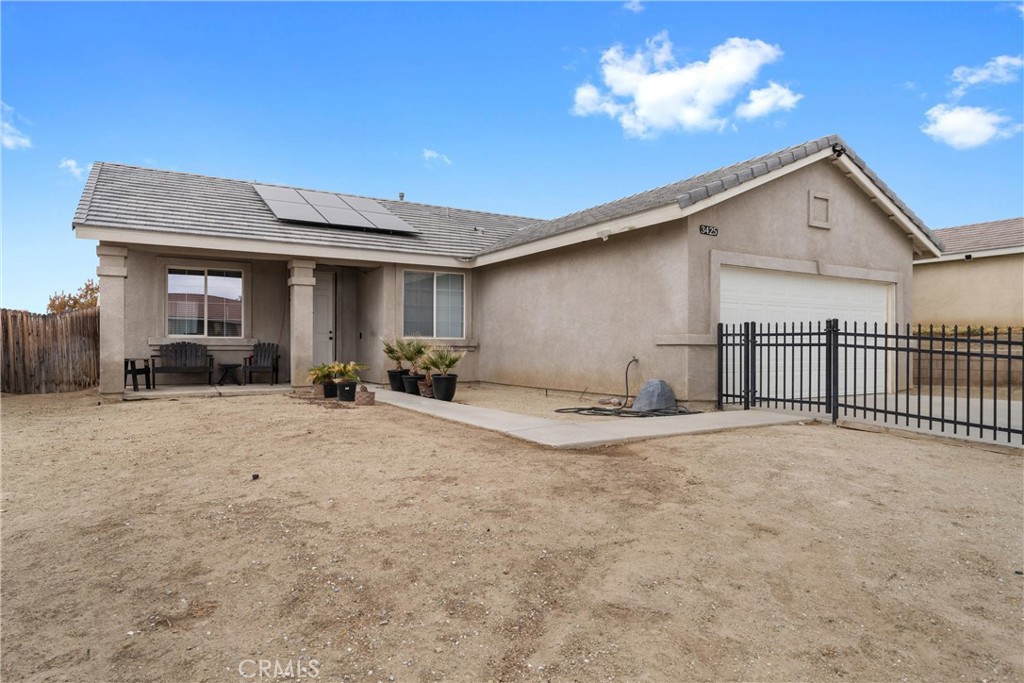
[(264, 358)]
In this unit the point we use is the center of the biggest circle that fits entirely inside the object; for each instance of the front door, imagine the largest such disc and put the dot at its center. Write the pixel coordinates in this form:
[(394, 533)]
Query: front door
[(323, 318)]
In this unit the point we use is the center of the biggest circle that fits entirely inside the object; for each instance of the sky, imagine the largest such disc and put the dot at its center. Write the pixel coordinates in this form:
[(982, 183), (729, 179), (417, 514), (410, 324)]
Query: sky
[(535, 109)]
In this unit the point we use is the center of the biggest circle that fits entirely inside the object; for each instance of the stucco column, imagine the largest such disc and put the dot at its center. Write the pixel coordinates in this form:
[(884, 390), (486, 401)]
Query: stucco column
[(112, 272), (300, 290)]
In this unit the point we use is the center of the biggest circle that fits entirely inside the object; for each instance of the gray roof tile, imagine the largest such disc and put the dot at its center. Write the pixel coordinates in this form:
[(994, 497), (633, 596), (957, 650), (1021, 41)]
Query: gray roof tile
[(695, 189), (133, 198), (962, 239)]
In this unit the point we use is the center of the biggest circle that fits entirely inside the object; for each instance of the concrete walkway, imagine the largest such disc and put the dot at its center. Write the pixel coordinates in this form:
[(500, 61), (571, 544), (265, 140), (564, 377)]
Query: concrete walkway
[(559, 434)]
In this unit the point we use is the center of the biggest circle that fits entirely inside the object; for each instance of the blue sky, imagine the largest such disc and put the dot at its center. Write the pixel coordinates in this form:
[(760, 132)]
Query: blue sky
[(534, 109)]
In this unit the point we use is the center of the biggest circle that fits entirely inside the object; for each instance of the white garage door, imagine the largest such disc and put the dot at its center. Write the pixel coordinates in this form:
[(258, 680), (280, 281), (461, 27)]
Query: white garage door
[(773, 297)]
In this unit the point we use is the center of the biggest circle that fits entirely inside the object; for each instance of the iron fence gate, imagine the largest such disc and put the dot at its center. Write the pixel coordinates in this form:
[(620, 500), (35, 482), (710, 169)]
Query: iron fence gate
[(966, 382)]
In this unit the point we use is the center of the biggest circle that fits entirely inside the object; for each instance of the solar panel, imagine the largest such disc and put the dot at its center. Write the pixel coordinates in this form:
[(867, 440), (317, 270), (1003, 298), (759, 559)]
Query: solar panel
[(363, 204), (280, 194), (290, 211), (391, 223), (327, 208), (344, 217), (324, 199)]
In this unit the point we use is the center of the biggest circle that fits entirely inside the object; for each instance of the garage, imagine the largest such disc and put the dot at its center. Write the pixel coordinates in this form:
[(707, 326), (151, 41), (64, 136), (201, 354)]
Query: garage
[(790, 364), (772, 296)]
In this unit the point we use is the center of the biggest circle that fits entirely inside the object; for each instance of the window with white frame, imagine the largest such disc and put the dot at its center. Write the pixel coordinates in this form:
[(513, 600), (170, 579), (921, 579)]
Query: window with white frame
[(204, 302), (435, 305)]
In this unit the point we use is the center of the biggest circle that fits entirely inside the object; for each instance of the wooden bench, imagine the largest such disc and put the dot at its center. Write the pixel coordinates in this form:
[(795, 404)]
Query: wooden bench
[(182, 357)]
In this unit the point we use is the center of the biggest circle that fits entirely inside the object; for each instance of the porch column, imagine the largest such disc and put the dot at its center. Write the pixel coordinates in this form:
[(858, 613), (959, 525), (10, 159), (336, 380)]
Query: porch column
[(112, 272), (300, 290)]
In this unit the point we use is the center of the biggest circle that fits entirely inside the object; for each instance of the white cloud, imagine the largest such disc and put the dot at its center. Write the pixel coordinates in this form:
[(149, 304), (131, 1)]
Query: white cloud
[(647, 92), (1002, 69), (72, 167), (967, 127), (767, 100), (430, 155), (635, 6), (12, 138)]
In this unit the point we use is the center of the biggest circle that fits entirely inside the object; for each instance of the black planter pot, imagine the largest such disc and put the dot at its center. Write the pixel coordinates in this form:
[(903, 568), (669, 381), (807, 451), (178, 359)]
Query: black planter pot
[(346, 391), (444, 387), (395, 379), (410, 382), (330, 389)]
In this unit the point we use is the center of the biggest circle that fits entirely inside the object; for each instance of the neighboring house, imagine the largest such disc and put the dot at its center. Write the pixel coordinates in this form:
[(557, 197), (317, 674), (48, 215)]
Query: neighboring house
[(801, 234), (978, 279)]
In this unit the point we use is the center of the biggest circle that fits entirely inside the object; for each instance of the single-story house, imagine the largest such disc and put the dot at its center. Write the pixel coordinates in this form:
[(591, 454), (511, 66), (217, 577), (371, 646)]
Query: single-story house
[(978, 280), (803, 233)]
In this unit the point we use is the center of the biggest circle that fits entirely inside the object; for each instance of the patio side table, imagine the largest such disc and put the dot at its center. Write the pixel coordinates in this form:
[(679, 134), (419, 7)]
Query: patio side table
[(229, 371)]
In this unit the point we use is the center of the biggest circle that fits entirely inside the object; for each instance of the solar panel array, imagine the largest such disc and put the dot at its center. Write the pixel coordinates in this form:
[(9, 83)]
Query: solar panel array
[(326, 208)]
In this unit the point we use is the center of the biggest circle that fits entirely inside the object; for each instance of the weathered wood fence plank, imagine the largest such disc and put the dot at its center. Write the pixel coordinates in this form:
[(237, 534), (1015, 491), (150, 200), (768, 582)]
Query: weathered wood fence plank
[(44, 354)]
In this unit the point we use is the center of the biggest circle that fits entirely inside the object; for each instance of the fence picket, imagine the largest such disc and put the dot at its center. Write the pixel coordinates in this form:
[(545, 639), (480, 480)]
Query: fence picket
[(749, 377), (49, 353)]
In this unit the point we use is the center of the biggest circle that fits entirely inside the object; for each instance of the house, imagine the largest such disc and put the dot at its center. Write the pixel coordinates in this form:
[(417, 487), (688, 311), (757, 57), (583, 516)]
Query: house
[(803, 233), (978, 279)]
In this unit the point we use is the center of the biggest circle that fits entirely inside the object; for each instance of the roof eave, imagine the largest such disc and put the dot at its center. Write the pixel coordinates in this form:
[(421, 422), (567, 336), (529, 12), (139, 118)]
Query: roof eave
[(923, 240), (257, 247)]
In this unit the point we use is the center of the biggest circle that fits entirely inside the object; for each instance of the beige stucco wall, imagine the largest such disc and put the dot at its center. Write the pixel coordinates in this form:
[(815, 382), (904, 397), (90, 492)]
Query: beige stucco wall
[(980, 292), (574, 317), (265, 308)]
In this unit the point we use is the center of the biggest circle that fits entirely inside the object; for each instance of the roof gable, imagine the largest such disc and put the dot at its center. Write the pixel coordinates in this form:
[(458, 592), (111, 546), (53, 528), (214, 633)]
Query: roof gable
[(693, 191)]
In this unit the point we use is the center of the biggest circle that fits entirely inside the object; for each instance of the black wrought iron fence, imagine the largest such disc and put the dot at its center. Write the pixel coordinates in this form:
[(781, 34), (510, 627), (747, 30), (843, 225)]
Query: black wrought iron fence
[(966, 382)]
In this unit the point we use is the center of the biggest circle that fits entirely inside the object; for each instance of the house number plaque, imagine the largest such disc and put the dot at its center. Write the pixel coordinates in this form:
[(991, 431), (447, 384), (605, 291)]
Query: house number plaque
[(709, 230)]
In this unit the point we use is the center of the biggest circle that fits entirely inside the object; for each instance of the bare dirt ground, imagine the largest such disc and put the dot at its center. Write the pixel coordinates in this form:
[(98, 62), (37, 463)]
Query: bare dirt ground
[(379, 544)]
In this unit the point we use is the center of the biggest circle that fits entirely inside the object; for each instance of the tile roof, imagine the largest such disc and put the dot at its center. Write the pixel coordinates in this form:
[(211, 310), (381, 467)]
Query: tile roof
[(134, 198), (692, 190), (1002, 234)]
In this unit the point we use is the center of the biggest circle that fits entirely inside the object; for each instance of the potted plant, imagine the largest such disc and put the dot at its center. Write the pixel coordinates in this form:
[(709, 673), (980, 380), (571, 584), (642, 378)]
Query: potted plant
[(425, 384), (346, 376), (443, 358), (322, 377), (412, 352), (393, 350)]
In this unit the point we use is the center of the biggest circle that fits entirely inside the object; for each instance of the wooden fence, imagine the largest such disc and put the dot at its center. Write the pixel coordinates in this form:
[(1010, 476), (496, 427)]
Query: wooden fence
[(44, 354)]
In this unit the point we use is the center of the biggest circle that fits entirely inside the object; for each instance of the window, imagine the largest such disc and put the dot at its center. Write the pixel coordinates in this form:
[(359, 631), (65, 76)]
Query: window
[(434, 305), (204, 302)]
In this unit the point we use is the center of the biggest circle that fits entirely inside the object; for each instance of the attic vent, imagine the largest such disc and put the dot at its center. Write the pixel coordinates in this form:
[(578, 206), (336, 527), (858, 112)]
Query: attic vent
[(819, 210), (335, 210)]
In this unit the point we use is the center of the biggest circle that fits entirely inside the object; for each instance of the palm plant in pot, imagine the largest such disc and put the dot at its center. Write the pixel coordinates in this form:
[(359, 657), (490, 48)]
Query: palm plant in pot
[(443, 358), (346, 376), (393, 350), (426, 384), (412, 351), (322, 377)]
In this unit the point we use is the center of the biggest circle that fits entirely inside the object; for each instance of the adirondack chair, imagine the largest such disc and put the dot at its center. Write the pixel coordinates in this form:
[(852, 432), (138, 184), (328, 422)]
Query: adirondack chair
[(182, 357), (264, 358)]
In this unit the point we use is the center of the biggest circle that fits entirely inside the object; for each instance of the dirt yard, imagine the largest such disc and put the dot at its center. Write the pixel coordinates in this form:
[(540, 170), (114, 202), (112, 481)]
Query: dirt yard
[(382, 545)]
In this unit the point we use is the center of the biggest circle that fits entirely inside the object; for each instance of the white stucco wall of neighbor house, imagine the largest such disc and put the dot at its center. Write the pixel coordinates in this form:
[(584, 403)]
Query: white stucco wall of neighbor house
[(573, 318)]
